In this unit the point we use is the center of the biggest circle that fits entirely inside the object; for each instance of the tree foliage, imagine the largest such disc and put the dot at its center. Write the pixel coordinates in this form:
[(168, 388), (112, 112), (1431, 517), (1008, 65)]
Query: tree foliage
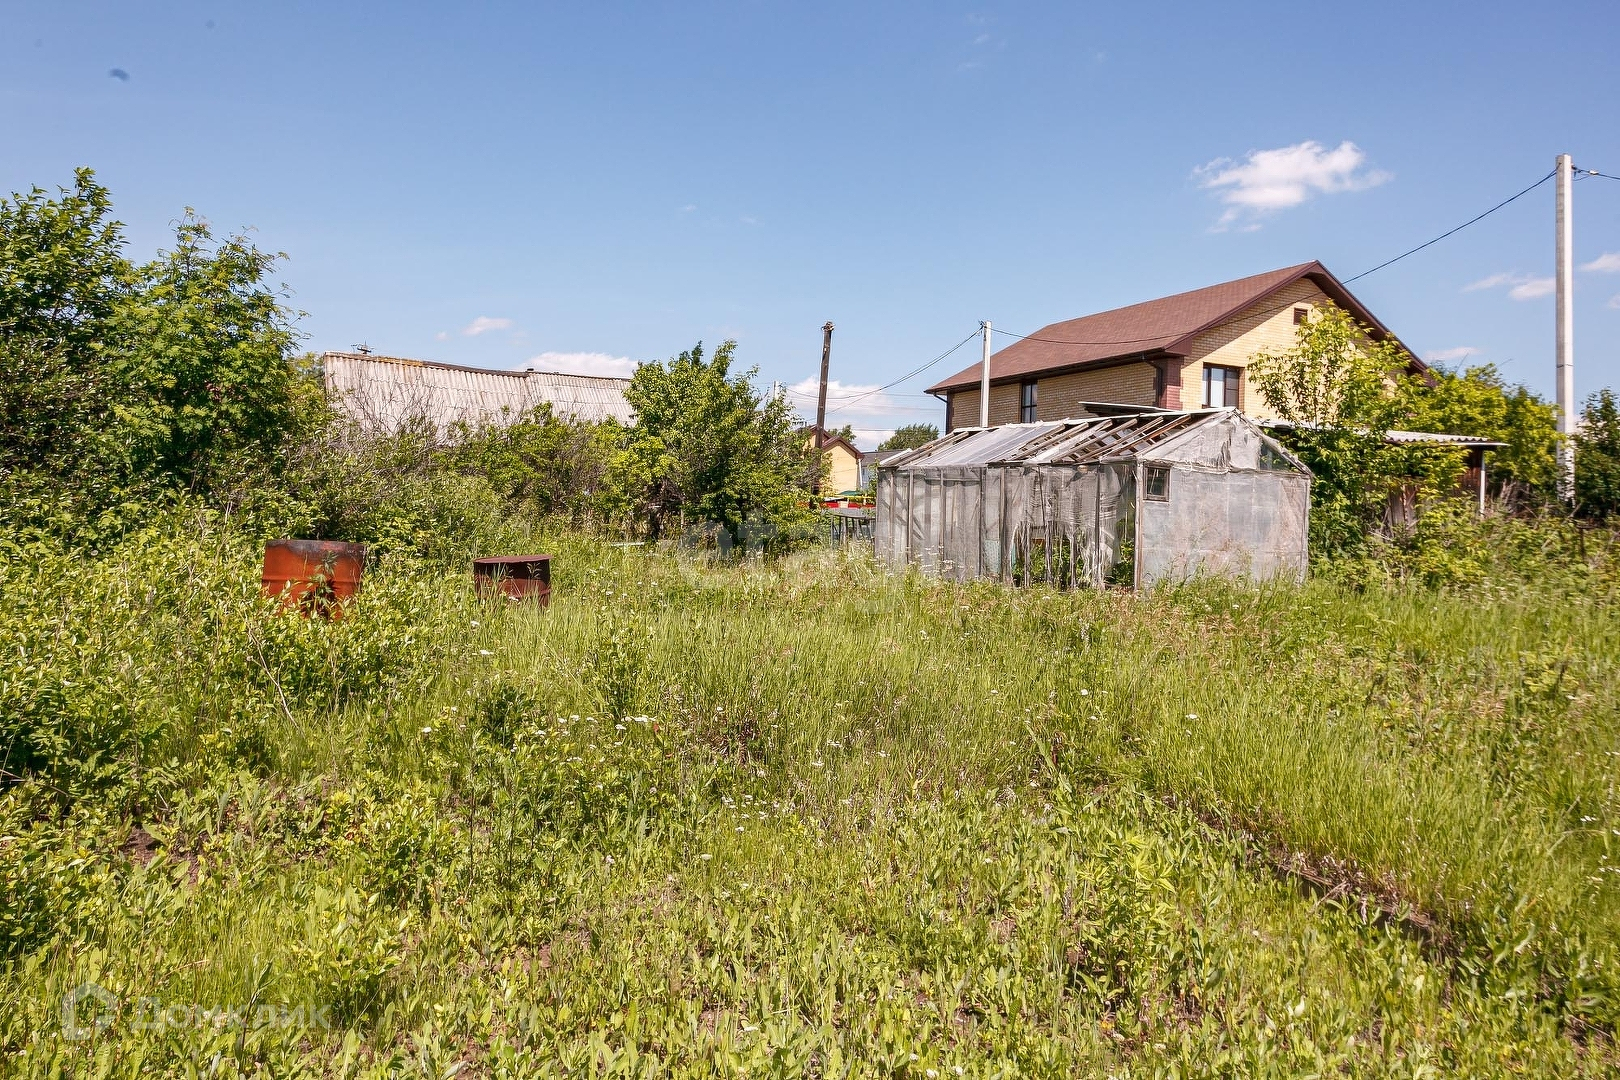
[(910, 436), (1597, 456), (708, 450), (1339, 391), (121, 382), (1478, 401)]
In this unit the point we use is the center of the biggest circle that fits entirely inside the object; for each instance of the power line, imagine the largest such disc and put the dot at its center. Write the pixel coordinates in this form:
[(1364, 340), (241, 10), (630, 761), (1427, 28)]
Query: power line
[(913, 373), (1448, 232), (1582, 174), (1347, 281)]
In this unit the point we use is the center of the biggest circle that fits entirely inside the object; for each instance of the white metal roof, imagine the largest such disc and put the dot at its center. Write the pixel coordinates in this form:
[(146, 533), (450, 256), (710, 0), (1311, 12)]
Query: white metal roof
[(382, 392)]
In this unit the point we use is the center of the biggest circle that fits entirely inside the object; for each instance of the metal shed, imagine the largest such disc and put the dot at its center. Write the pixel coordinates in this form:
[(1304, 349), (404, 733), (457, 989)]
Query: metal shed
[(1130, 499)]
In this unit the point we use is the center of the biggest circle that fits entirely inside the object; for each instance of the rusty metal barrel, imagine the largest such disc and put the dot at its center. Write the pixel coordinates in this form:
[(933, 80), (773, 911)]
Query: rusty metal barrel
[(313, 576), (518, 577)]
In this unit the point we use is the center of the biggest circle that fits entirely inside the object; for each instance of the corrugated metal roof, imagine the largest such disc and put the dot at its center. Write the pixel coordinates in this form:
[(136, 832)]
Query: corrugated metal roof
[(1225, 438), (1409, 438), (382, 392), (1433, 438)]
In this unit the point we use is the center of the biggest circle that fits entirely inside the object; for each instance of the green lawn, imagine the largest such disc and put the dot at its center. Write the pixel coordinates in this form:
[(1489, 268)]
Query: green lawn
[(800, 818)]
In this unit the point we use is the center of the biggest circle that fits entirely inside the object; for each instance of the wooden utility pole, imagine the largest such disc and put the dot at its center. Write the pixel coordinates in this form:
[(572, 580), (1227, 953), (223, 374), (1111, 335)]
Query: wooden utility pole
[(1564, 254), (821, 402)]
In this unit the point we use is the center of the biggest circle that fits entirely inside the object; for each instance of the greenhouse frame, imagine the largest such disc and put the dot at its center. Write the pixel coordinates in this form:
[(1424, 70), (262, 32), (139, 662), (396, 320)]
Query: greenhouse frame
[(1131, 499)]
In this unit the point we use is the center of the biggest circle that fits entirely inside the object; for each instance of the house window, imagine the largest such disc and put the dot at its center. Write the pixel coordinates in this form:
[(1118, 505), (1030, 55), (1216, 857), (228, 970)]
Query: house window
[(1300, 315), (1221, 386), (1156, 483), (1026, 403)]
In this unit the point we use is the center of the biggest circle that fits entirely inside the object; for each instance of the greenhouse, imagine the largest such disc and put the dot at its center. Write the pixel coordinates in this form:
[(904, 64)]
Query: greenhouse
[(1125, 500)]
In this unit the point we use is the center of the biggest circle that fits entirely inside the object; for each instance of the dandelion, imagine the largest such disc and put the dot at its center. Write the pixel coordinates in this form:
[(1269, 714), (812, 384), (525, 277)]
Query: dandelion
[(739, 828), (427, 731), (705, 856), (619, 727), (475, 622), (1192, 716), (1085, 693)]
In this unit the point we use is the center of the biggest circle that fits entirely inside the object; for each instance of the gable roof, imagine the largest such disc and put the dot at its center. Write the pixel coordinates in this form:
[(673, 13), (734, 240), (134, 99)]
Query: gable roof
[(1154, 328), (830, 440)]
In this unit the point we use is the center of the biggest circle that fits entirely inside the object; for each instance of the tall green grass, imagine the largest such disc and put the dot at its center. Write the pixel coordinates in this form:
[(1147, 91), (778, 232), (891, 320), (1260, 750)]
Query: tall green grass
[(806, 817)]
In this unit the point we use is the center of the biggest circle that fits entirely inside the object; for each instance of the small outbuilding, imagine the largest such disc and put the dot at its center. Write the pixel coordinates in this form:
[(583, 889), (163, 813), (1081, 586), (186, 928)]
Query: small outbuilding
[(1128, 499)]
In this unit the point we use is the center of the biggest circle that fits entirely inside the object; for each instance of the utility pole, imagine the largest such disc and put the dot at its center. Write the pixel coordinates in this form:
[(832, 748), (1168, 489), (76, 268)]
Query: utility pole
[(821, 400), (1564, 250), (984, 378), (821, 404)]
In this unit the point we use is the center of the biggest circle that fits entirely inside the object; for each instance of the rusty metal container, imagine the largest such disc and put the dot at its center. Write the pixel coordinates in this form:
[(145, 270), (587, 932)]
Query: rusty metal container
[(313, 576), (519, 577)]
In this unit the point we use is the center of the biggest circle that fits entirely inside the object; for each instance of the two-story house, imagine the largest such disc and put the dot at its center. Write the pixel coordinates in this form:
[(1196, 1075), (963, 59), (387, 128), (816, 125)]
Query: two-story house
[(1187, 351)]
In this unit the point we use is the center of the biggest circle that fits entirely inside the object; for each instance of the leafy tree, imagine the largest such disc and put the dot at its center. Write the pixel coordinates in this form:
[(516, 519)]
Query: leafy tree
[(706, 448), (910, 436), (1339, 390), (120, 383), (1597, 456), (1477, 401)]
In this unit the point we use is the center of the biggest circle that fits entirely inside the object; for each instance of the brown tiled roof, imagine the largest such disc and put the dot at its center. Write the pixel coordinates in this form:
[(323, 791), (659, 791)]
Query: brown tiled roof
[(1155, 328)]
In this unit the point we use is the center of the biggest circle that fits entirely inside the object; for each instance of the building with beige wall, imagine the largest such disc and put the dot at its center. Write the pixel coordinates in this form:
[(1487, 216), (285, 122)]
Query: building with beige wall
[(1182, 352), (843, 461)]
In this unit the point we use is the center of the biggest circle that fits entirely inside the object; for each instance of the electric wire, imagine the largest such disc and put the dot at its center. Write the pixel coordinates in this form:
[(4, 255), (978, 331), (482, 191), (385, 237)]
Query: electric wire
[(1347, 281), (913, 373), (1449, 232), (1160, 337)]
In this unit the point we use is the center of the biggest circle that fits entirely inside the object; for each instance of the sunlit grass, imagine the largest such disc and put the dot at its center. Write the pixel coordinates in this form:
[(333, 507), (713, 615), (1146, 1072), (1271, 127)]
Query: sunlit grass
[(815, 817)]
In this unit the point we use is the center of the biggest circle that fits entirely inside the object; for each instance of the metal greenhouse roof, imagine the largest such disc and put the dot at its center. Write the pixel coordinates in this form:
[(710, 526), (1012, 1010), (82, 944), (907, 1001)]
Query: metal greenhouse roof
[(1150, 435)]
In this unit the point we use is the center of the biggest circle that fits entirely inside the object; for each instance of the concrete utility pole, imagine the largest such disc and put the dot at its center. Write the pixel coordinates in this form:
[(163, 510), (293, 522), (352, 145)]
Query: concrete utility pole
[(821, 400), (1564, 250), (984, 379)]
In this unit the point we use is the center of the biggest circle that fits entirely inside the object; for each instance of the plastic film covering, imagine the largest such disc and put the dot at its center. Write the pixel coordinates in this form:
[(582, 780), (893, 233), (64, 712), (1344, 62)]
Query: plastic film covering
[(1059, 502), (1248, 524)]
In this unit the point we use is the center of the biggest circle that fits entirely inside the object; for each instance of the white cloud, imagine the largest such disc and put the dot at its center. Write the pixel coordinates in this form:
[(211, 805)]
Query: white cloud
[(441, 336), (1522, 286), (584, 363), (1446, 356), (1607, 263), (1532, 287), (1270, 180), (483, 324), (1614, 302), (688, 208)]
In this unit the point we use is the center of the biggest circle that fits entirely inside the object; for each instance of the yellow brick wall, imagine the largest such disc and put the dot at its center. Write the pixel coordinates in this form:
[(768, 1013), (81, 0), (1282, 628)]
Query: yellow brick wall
[(1266, 327), (1059, 396), (964, 411)]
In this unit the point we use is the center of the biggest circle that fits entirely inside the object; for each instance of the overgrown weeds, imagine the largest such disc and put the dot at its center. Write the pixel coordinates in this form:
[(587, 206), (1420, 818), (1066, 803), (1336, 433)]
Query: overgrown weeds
[(805, 817)]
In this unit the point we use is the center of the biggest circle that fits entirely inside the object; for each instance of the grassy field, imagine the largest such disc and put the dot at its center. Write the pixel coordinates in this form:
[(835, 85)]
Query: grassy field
[(804, 818)]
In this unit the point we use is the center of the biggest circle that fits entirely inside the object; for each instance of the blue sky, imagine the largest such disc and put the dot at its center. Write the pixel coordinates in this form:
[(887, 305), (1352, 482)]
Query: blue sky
[(593, 183)]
